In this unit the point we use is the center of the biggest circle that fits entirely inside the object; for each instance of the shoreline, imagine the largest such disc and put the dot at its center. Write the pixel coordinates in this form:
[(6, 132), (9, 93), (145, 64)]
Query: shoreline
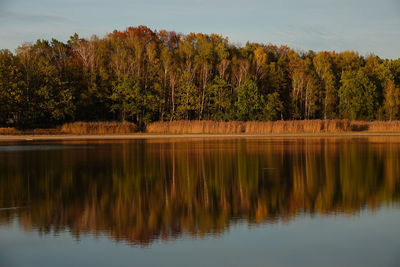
[(66, 137)]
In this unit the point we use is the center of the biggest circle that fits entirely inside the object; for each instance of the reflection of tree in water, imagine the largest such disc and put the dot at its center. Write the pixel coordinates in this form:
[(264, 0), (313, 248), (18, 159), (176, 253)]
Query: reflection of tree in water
[(142, 190)]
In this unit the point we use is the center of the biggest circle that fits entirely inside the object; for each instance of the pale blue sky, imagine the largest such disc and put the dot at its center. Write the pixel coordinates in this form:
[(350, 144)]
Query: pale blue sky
[(361, 25)]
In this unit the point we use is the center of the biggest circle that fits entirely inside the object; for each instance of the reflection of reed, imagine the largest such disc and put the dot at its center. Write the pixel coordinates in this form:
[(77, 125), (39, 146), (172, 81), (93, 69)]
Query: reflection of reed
[(141, 190)]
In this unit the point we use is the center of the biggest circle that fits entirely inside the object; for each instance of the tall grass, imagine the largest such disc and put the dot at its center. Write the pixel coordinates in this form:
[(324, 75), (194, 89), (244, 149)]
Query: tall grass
[(38, 131), (76, 128), (217, 127), (273, 127), (376, 126), (98, 128), (251, 127), (196, 127), (310, 126), (9, 131)]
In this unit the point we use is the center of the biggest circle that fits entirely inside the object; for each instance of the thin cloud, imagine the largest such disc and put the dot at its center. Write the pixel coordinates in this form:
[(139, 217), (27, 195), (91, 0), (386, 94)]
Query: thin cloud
[(7, 15)]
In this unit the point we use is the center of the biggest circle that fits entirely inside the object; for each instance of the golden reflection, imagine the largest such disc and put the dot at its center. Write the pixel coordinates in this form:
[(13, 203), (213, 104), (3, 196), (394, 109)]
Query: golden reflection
[(141, 190)]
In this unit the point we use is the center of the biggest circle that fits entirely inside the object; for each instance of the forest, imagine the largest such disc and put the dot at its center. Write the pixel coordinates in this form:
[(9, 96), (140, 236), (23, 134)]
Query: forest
[(142, 76)]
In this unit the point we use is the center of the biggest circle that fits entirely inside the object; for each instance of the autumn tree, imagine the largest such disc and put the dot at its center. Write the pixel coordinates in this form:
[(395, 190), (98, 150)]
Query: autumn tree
[(324, 68), (11, 87), (141, 75)]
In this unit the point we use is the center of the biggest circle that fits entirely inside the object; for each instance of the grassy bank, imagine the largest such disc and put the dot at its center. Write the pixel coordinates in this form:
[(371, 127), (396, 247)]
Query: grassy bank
[(99, 128), (253, 127), (81, 128), (15, 131), (216, 127), (276, 127)]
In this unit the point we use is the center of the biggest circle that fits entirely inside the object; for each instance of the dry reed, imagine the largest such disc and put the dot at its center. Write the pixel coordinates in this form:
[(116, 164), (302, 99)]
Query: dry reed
[(38, 131), (250, 127), (310, 126), (217, 127), (376, 126), (99, 128), (273, 127), (196, 127), (9, 131)]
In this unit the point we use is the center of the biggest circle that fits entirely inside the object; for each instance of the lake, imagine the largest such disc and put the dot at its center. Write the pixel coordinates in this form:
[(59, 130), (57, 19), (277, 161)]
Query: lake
[(201, 202)]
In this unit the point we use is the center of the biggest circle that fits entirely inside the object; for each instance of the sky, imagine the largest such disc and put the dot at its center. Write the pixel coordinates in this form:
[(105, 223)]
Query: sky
[(366, 26)]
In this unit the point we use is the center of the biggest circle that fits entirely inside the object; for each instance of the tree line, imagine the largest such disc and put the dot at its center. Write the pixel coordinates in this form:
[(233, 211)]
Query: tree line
[(142, 76)]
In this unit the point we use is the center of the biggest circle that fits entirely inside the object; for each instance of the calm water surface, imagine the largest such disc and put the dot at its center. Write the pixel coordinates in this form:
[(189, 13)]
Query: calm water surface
[(201, 202)]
